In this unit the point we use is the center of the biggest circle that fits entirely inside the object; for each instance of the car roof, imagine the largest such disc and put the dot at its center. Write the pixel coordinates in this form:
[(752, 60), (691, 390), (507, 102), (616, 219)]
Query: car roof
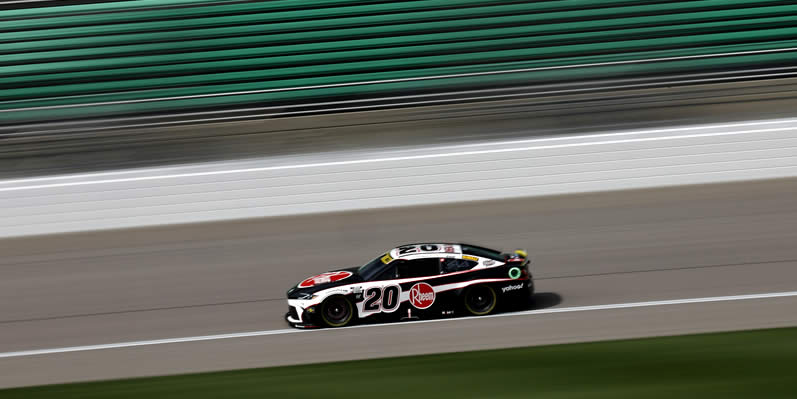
[(449, 250), (426, 249)]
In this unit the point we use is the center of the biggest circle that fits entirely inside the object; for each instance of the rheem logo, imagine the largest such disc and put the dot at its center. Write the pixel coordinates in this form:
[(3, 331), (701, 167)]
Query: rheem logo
[(422, 295)]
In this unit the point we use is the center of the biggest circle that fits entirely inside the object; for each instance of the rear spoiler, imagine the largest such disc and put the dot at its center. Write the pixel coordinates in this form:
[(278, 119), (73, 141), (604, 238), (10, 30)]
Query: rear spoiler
[(519, 255)]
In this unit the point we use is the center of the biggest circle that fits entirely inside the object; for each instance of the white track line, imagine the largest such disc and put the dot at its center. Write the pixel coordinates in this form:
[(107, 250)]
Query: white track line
[(293, 331)]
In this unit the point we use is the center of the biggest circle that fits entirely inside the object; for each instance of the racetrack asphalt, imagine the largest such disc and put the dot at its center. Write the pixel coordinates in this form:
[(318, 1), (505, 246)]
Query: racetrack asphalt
[(592, 249)]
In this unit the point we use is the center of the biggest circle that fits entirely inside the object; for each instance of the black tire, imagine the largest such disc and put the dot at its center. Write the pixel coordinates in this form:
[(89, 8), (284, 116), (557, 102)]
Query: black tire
[(337, 311), (480, 300)]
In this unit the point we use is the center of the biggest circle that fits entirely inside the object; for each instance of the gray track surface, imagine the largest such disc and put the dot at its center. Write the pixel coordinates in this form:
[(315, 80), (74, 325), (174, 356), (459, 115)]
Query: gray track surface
[(205, 279)]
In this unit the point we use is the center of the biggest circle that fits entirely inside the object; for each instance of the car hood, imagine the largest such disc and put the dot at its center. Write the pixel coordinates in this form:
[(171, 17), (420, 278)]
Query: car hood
[(323, 281)]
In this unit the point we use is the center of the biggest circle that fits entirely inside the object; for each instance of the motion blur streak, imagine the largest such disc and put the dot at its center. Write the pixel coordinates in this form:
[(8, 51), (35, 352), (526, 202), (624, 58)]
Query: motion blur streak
[(433, 77), (289, 331), (585, 140), (206, 117)]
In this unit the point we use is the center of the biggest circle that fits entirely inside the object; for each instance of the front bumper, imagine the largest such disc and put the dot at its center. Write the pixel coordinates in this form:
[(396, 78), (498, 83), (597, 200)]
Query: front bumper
[(298, 323), (298, 316)]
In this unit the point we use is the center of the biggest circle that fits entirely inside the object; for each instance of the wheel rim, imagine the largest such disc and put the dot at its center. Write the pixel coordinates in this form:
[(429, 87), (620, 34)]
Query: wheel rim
[(480, 300), (337, 312)]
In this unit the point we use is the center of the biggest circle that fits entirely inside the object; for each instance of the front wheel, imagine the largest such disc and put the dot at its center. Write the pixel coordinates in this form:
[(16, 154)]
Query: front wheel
[(480, 300), (337, 311)]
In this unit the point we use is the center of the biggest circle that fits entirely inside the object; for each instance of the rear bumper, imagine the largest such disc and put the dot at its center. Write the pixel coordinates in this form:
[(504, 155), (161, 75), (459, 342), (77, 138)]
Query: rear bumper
[(531, 285)]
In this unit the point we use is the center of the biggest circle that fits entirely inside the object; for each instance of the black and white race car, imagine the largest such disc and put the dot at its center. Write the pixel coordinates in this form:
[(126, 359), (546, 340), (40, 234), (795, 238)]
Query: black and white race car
[(411, 282)]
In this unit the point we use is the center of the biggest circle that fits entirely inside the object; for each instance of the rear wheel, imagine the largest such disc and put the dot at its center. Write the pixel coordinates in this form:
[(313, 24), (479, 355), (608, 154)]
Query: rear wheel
[(480, 300), (337, 311)]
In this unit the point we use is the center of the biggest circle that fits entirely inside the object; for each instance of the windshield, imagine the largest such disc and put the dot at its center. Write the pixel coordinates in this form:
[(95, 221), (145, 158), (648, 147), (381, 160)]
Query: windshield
[(369, 269)]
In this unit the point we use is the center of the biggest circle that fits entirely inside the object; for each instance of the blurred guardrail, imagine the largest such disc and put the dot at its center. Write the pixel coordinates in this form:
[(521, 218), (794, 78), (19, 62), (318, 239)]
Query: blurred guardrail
[(613, 105), (174, 59), (424, 175)]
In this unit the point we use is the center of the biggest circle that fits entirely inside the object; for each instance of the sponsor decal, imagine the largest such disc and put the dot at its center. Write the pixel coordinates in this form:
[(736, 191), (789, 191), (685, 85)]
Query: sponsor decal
[(468, 257), (429, 248), (387, 259), (448, 249), (407, 250), (489, 262), (512, 288), (329, 277), (422, 295)]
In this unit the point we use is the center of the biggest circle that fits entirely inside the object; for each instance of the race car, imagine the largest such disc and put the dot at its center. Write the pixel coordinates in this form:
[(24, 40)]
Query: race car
[(413, 282)]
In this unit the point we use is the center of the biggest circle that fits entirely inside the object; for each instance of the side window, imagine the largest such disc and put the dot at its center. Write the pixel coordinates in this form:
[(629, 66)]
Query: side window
[(390, 272), (457, 265), (419, 268)]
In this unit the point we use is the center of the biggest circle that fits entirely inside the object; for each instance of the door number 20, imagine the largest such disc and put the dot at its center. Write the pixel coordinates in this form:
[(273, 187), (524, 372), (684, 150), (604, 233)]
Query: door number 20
[(384, 299)]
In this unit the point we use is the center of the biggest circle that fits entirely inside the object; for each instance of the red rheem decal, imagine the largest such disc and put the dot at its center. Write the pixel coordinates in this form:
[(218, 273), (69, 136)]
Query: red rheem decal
[(329, 277), (422, 295)]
